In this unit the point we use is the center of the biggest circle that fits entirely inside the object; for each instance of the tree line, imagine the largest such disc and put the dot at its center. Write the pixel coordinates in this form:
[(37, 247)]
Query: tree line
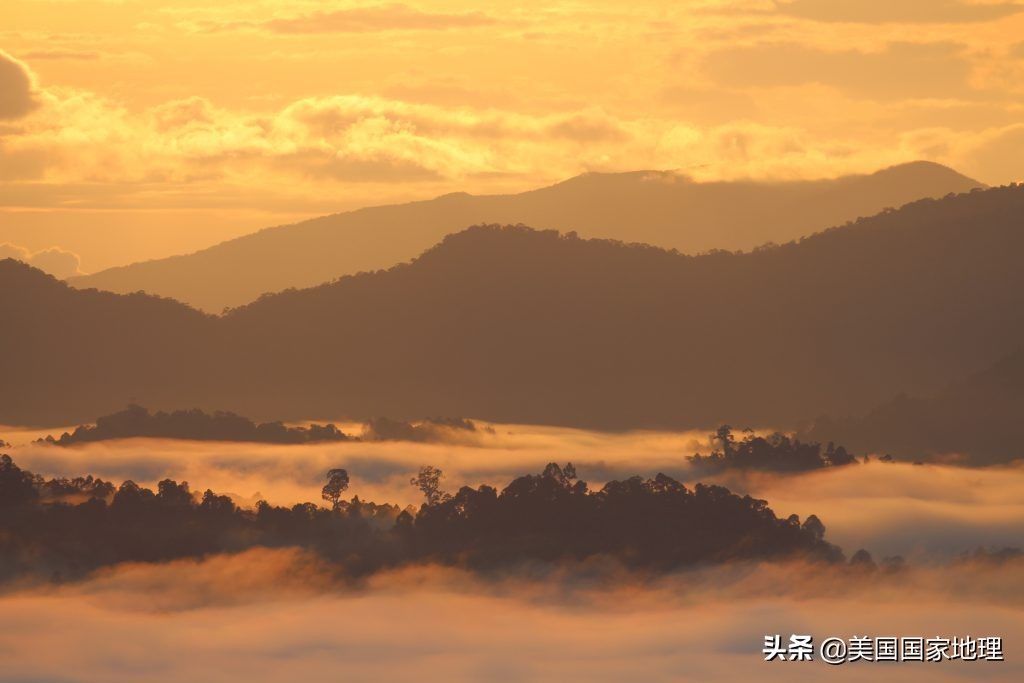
[(773, 453), (64, 528)]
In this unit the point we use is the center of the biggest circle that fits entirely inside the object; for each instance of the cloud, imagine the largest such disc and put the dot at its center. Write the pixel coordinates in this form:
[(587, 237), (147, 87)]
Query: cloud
[(276, 614), (999, 152), (899, 71), (18, 95), (316, 154), (88, 152), (265, 616), (15, 252), (932, 511), (56, 261), (897, 11), (62, 54), (393, 17)]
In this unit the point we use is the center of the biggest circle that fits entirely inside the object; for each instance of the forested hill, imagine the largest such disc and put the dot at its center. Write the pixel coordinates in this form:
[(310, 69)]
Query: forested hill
[(516, 325), (978, 420), (656, 207)]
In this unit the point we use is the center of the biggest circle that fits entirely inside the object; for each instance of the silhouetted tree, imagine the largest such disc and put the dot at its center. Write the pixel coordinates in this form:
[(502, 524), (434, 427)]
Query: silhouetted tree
[(724, 438), (862, 560), (428, 480), (337, 482), (657, 524), (17, 487), (814, 526)]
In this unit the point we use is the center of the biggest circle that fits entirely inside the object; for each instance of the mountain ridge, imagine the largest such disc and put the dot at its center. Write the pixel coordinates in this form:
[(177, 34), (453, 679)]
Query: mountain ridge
[(654, 207), (510, 324)]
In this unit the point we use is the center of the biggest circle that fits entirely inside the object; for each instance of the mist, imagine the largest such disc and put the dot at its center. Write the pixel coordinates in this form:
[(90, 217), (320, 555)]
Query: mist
[(918, 512), (270, 615)]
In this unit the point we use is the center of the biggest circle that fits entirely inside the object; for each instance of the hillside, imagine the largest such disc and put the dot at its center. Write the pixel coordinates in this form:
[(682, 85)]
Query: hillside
[(73, 353), (517, 325), (980, 419), (654, 207)]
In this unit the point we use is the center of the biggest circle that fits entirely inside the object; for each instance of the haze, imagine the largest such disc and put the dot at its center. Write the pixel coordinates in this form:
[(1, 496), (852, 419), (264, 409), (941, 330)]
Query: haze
[(388, 340), (193, 122)]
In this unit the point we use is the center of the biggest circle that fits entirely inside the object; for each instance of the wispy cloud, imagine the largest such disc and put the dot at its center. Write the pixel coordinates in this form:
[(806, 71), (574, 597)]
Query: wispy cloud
[(899, 70), (392, 17), (78, 55), (897, 11)]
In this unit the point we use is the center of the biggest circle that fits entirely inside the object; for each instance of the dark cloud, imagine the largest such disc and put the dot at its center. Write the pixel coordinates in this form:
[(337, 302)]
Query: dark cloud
[(900, 70), (897, 11), (17, 90), (380, 18)]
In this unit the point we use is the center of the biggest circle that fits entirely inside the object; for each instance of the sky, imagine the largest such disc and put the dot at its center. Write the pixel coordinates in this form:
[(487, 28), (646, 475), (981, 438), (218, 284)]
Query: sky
[(134, 129)]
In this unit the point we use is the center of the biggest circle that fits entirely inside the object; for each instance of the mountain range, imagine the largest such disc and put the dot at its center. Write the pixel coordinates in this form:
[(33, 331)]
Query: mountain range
[(654, 207), (512, 324)]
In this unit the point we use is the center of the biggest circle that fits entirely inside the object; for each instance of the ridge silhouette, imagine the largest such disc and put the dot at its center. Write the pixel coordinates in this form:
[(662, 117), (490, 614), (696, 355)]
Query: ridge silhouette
[(517, 325), (655, 207)]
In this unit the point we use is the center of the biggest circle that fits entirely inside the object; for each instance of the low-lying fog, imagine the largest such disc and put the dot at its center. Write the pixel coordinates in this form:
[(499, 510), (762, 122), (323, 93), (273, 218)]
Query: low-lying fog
[(920, 512), (275, 615)]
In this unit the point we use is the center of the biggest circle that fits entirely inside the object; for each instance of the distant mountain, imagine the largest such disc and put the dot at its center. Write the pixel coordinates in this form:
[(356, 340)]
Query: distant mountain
[(654, 207), (980, 419), (516, 325)]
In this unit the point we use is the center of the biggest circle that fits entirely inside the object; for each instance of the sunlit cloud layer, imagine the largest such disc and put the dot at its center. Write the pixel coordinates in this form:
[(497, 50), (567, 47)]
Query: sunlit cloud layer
[(920, 512), (272, 615), (898, 11), (291, 108)]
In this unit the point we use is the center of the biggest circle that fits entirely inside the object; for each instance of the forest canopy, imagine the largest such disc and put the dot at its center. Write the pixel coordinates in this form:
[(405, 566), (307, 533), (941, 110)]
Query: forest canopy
[(136, 421), (64, 528), (773, 453), (197, 425)]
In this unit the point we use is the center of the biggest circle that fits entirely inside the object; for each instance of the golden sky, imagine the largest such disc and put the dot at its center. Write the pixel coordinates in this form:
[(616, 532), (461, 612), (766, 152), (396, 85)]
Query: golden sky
[(150, 127)]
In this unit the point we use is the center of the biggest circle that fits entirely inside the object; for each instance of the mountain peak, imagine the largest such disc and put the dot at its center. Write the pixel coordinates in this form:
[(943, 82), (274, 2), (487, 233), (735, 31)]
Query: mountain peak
[(659, 207), (923, 169)]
